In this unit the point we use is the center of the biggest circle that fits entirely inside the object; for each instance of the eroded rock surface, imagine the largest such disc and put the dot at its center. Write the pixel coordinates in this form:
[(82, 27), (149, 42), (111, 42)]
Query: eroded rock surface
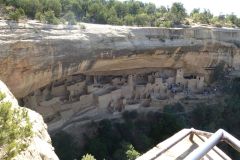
[(34, 55), (40, 147)]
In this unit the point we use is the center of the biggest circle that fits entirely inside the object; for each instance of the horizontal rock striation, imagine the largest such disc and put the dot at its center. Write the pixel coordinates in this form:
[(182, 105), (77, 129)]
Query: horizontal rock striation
[(33, 55)]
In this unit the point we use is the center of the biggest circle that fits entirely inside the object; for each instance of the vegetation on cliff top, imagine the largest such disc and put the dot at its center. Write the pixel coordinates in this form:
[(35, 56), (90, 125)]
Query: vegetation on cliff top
[(15, 129), (110, 12)]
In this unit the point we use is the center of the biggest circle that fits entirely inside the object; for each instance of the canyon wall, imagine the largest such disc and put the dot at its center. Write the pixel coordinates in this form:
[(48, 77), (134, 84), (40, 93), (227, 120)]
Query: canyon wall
[(39, 145), (32, 54)]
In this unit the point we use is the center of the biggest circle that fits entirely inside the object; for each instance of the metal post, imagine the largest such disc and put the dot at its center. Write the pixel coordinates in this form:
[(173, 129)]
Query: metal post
[(231, 140), (206, 147)]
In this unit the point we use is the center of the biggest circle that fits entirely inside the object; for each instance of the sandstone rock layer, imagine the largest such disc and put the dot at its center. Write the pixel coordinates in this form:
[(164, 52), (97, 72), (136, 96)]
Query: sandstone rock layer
[(40, 147), (32, 55)]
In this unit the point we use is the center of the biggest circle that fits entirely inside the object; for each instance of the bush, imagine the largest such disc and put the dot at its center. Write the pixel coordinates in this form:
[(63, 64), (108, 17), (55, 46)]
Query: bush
[(142, 19), (88, 157), (15, 129), (53, 5), (218, 73), (130, 115), (178, 12), (47, 17), (94, 146), (131, 153), (40, 16), (126, 152), (70, 17), (167, 24), (172, 109), (50, 18), (17, 14), (202, 17), (129, 20), (65, 146), (30, 7)]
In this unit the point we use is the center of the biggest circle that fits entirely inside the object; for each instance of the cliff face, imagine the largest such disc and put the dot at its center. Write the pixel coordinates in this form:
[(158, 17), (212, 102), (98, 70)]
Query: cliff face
[(33, 55), (40, 147)]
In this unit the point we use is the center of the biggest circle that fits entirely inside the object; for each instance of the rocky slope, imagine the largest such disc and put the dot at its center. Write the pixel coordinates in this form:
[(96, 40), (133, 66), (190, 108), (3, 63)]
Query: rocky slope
[(32, 55), (40, 147)]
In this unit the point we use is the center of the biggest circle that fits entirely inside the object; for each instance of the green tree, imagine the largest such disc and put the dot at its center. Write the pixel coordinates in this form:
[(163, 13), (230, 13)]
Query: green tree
[(129, 20), (167, 24), (233, 20), (126, 151), (131, 153), (95, 12), (178, 12), (134, 7), (204, 17), (65, 146), (121, 9), (53, 5), (17, 14), (40, 16), (112, 17), (195, 11), (70, 18), (93, 148), (150, 8), (75, 6), (30, 7), (15, 129), (217, 22), (218, 73), (50, 17), (162, 10), (142, 19)]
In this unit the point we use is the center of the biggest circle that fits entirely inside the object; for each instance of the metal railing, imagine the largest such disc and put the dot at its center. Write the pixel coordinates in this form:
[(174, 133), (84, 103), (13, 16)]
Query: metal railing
[(220, 135), (202, 150)]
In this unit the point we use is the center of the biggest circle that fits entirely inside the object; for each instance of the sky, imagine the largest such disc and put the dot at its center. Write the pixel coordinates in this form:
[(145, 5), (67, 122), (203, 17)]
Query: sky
[(215, 6)]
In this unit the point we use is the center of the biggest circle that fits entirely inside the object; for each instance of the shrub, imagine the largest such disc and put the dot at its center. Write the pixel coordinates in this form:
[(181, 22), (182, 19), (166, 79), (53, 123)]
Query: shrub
[(126, 152), (178, 12), (218, 73), (130, 115), (65, 146), (17, 14), (70, 17), (88, 157), (15, 129), (167, 24), (94, 145), (142, 19), (129, 20), (40, 16), (131, 153), (50, 18), (30, 7), (175, 108)]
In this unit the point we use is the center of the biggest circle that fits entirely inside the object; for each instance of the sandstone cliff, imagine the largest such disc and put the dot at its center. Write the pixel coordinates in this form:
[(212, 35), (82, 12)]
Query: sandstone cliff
[(40, 147), (33, 54)]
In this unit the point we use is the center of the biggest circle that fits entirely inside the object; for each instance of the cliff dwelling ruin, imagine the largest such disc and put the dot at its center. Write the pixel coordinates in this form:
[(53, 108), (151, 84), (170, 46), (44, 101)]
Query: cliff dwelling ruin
[(60, 100)]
